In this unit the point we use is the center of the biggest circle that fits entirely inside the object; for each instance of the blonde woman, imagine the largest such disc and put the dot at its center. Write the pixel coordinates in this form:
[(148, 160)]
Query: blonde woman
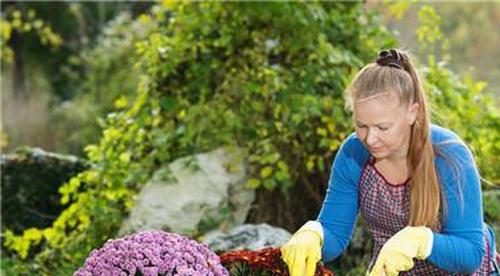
[(415, 184)]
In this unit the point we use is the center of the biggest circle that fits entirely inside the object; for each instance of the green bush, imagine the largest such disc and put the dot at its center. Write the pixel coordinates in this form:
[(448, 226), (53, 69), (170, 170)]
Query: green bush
[(460, 105)]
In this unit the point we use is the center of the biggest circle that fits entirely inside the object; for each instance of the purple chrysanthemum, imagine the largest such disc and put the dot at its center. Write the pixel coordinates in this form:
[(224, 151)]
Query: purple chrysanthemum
[(152, 253)]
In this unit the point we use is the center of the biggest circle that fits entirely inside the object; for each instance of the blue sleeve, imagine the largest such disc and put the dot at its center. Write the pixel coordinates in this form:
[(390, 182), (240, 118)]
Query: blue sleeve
[(340, 207), (459, 247)]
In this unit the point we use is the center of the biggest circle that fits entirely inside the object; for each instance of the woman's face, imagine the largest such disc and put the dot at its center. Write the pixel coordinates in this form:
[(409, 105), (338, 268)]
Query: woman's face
[(383, 124)]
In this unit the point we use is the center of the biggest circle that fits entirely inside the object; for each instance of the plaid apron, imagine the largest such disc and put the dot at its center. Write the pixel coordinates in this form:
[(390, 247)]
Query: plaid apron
[(385, 209)]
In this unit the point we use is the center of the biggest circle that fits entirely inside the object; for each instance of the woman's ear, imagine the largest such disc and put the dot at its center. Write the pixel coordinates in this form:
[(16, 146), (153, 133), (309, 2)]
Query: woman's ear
[(412, 113)]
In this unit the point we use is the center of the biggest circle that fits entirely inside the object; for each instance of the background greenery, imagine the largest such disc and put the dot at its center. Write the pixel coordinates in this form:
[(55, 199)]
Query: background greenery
[(179, 79)]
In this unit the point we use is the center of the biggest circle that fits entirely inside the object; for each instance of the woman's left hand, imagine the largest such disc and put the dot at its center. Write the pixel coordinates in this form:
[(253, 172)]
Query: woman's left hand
[(398, 252)]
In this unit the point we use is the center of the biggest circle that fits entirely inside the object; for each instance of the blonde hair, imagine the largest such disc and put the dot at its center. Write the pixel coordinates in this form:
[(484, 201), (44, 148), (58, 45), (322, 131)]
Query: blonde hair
[(394, 72)]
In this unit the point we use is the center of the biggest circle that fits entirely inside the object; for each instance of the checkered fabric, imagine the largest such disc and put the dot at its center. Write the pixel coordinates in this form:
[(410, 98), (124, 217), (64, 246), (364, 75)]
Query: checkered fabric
[(386, 208)]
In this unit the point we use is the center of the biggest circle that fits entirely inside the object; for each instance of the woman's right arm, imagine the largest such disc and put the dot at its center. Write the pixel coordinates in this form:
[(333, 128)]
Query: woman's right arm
[(340, 207)]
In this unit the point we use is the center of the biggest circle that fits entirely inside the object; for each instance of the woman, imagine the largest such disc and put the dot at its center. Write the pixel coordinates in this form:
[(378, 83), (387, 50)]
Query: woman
[(415, 184)]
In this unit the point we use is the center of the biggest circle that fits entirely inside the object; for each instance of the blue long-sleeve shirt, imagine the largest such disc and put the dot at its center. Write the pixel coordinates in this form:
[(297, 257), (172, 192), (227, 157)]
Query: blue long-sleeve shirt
[(458, 248)]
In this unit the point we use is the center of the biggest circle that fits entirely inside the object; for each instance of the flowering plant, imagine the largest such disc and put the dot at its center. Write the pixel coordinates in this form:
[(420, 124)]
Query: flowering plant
[(152, 253), (264, 262)]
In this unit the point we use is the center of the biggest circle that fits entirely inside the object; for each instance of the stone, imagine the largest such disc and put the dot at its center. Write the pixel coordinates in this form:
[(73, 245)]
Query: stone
[(30, 180), (193, 194), (246, 237)]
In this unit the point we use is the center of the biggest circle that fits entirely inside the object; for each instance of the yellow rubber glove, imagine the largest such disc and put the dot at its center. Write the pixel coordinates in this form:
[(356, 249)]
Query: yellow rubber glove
[(398, 252), (303, 251)]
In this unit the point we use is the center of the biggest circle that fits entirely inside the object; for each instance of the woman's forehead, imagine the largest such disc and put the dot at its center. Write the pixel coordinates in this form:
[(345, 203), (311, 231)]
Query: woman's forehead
[(377, 109), (384, 96)]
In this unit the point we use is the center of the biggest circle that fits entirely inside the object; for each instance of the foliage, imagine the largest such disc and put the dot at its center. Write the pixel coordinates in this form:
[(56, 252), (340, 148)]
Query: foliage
[(460, 103), (109, 80), (71, 26), (83, 80), (465, 37), (268, 78), (14, 20), (472, 42), (461, 106)]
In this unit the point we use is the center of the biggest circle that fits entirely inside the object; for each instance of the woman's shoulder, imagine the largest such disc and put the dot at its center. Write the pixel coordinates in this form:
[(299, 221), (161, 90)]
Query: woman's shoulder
[(441, 134), (352, 142), (450, 147), (352, 147)]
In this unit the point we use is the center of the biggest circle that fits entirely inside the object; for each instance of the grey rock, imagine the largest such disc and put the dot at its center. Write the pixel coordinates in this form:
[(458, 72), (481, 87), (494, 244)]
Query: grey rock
[(246, 236), (193, 194)]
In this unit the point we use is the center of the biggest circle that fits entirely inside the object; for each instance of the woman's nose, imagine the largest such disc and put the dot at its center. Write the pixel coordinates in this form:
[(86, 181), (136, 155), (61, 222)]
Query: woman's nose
[(371, 138)]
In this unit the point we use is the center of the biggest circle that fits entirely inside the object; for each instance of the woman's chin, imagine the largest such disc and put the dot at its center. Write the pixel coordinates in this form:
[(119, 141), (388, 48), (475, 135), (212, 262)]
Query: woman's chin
[(378, 154)]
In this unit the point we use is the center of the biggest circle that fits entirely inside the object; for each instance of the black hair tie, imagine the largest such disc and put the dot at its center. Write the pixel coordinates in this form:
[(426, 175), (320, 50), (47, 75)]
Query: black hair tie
[(391, 58)]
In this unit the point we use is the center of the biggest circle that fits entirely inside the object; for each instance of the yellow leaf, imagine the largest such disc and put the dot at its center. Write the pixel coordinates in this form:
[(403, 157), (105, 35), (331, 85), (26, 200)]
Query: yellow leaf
[(51, 236), (121, 102), (64, 199), (156, 121), (6, 30), (22, 247), (480, 85), (49, 233), (144, 18), (110, 195), (111, 134), (310, 164), (125, 157), (282, 165), (17, 23), (60, 222), (266, 171), (27, 27), (16, 14), (182, 114), (169, 3), (253, 183), (129, 204), (33, 234), (331, 127), (84, 222), (9, 238), (321, 131), (38, 24), (89, 176)]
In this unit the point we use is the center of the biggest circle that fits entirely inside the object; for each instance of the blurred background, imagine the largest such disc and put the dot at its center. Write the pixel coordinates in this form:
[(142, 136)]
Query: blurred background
[(53, 83), (96, 97), (45, 82)]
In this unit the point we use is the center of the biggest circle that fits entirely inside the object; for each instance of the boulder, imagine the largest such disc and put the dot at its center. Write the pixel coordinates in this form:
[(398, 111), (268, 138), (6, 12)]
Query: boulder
[(193, 195), (30, 181), (246, 237)]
